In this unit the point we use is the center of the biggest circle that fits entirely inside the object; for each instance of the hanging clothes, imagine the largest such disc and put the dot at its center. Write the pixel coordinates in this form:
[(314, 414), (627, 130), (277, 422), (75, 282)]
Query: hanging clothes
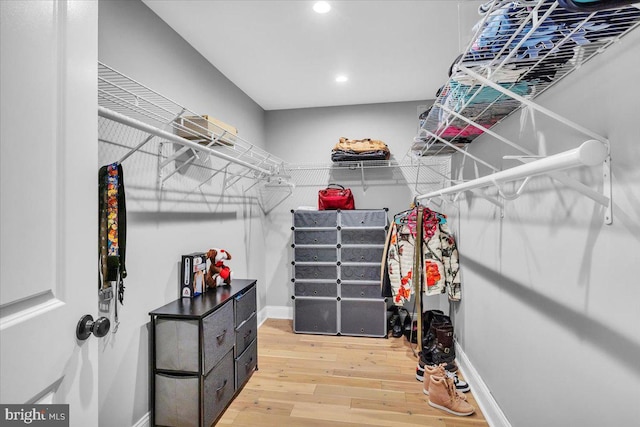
[(439, 264)]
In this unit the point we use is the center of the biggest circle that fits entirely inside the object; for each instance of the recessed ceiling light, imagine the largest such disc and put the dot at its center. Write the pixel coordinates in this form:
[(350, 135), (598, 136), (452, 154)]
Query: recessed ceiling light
[(321, 7), (341, 79)]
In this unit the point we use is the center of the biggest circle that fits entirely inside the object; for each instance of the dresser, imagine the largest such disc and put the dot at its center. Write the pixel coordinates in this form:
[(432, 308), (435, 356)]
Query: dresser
[(203, 351), (336, 260)]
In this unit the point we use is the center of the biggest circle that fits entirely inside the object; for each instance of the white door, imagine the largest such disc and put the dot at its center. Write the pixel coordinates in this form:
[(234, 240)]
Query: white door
[(48, 204)]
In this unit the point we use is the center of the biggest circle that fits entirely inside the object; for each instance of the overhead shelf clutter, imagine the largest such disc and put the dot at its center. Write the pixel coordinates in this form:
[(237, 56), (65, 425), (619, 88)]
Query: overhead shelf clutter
[(177, 155), (518, 51)]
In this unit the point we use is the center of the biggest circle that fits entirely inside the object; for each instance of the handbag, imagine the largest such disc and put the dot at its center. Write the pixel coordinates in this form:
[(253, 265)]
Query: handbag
[(335, 197)]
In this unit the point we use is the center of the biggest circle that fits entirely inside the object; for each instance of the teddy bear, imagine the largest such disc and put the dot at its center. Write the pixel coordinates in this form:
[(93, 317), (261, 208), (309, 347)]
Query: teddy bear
[(217, 272)]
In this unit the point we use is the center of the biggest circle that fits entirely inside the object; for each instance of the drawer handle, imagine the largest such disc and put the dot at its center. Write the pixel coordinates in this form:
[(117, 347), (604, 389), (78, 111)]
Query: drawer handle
[(219, 389), (247, 365), (247, 335), (220, 337)]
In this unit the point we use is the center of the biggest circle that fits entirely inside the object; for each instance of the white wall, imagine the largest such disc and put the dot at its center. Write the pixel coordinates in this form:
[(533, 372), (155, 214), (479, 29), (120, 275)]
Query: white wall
[(134, 41), (306, 136), (549, 316)]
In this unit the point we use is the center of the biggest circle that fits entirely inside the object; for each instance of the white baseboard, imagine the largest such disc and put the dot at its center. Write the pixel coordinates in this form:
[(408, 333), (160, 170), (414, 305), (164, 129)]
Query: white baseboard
[(144, 421), (274, 312), (489, 407)]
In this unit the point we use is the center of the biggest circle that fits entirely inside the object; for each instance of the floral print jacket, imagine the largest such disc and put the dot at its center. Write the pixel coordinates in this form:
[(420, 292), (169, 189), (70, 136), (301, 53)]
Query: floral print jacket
[(440, 269)]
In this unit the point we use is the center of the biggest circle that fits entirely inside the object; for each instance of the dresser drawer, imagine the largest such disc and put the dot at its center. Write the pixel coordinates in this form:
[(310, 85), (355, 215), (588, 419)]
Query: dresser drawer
[(315, 289), (315, 254), (315, 219), (219, 335), (245, 305), (219, 388), (363, 237), (307, 271), (360, 290), (316, 237), (176, 345), (246, 363), (177, 400), (363, 218), (246, 333), (360, 272), (361, 254)]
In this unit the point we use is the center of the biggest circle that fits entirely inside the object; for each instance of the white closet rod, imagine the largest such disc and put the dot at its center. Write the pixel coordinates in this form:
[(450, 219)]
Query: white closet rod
[(590, 153), (128, 121)]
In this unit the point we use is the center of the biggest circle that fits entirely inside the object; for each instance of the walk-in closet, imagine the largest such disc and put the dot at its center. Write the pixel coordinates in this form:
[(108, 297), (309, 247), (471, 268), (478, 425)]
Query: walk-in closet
[(319, 213)]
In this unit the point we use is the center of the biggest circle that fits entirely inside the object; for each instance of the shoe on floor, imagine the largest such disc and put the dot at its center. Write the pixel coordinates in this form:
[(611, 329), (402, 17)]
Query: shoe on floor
[(443, 396), (423, 372)]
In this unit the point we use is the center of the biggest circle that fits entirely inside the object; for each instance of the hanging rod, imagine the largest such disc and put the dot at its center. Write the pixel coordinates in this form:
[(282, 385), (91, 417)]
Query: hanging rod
[(128, 121), (590, 153)]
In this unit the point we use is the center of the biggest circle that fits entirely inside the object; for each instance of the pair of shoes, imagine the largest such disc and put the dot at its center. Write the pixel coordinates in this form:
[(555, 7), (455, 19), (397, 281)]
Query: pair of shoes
[(443, 395), (439, 371), (395, 324)]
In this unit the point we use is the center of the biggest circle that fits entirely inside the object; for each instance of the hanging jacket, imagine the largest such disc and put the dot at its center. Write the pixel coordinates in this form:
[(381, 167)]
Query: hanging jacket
[(440, 269)]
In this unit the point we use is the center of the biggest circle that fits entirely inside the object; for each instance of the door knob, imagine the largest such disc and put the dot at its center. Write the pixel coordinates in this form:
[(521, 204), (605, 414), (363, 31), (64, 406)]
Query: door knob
[(86, 326)]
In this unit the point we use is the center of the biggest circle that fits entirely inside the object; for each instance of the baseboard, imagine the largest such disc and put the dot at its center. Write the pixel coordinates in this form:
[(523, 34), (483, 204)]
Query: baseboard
[(489, 407), (274, 312), (144, 421)]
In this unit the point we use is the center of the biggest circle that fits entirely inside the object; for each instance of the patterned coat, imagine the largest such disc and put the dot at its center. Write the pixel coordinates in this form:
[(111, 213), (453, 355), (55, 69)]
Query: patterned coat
[(440, 268)]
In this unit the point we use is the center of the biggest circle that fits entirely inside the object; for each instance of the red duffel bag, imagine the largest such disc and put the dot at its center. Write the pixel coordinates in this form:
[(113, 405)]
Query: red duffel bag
[(335, 197)]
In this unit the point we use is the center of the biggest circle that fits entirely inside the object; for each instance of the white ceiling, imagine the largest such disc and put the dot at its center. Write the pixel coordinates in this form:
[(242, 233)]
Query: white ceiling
[(284, 55)]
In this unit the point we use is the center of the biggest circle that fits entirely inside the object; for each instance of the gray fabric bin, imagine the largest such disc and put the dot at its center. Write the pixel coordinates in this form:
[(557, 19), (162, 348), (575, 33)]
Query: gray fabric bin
[(363, 218), (315, 219)]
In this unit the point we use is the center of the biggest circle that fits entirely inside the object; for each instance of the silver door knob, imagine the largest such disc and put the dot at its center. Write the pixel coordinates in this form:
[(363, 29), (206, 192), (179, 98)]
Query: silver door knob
[(86, 327)]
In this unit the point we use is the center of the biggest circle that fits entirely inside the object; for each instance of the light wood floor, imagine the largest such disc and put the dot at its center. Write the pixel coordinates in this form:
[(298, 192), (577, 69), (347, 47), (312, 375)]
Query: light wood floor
[(316, 380)]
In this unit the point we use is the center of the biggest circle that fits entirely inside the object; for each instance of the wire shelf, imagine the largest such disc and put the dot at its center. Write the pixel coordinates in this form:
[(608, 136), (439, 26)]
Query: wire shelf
[(124, 95), (519, 50)]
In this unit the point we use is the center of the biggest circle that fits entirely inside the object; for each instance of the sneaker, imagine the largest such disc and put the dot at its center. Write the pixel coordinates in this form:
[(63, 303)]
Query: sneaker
[(443, 396), (424, 372)]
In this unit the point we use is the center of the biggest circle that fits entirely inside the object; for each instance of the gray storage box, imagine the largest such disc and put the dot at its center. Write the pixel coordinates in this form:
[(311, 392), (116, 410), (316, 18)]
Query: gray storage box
[(363, 236), (361, 253), (360, 290), (360, 272), (315, 289), (316, 237), (363, 317), (315, 254), (177, 400), (315, 315), (311, 271), (315, 219), (363, 218), (246, 364)]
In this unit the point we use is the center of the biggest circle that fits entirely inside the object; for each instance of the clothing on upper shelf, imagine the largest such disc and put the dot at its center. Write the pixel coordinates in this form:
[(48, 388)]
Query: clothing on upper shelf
[(439, 256)]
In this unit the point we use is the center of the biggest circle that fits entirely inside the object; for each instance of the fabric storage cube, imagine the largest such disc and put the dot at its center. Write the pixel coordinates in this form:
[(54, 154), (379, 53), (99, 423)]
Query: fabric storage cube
[(315, 219), (363, 218), (177, 400), (315, 289), (360, 272), (364, 236), (316, 237), (315, 253), (246, 363), (176, 345), (360, 290), (315, 315), (245, 305), (310, 271), (218, 334), (361, 254), (219, 388), (363, 317), (246, 333)]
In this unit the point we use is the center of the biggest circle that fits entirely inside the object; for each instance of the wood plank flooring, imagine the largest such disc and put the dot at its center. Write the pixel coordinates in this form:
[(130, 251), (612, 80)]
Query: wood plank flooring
[(318, 381)]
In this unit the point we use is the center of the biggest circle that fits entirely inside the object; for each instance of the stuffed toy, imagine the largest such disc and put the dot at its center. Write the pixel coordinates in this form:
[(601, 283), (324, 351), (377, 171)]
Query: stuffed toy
[(217, 273)]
